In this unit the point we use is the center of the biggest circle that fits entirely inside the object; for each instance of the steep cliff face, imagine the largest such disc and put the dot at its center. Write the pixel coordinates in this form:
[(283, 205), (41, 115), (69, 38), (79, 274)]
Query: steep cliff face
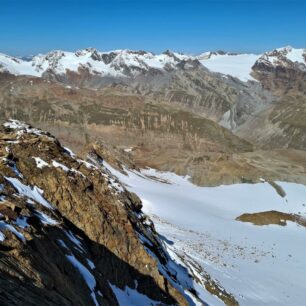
[(71, 234)]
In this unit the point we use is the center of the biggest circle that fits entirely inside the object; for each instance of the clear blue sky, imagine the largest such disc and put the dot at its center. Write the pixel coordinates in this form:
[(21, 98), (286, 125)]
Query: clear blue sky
[(32, 26)]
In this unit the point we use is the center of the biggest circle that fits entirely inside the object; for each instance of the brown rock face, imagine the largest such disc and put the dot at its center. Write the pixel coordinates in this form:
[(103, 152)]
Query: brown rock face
[(69, 232), (272, 217), (283, 77), (81, 116), (283, 123)]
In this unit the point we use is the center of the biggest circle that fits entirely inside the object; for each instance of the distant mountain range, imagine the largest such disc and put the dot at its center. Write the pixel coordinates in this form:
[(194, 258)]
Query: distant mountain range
[(127, 63), (192, 103)]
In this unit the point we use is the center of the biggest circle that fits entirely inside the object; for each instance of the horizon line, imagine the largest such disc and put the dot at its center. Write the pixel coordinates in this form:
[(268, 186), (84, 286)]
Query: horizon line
[(148, 51)]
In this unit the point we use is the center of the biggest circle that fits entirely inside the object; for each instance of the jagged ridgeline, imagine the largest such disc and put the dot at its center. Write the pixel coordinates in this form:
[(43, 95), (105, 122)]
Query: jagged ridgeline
[(71, 234)]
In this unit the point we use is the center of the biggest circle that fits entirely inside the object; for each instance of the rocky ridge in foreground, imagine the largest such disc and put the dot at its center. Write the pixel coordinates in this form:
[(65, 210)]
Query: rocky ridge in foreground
[(71, 234)]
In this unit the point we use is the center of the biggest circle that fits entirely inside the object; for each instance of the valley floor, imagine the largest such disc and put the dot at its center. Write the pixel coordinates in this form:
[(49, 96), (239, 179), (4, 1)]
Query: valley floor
[(258, 265)]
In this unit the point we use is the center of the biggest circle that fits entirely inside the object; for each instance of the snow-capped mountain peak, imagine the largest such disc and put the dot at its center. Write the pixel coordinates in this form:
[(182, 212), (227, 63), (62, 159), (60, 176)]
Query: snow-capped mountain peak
[(128, 63), (119, 63), (284, 56), (241, 65)]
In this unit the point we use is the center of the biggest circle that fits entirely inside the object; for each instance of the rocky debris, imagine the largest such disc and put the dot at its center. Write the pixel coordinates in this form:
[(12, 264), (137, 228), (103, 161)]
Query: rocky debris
[(272, 217), (70, 232), (278, 189)]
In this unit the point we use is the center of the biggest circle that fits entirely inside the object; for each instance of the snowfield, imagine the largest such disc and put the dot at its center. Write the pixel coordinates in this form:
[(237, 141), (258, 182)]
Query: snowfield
[(238, 66), (259, 265)]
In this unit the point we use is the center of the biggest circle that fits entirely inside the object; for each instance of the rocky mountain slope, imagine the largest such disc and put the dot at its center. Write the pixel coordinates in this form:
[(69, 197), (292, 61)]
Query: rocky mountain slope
[(234, 90), (168, 77), (282, 71), (161, 103), (162, 136), (282, 123), (43, 103), (71, 234)]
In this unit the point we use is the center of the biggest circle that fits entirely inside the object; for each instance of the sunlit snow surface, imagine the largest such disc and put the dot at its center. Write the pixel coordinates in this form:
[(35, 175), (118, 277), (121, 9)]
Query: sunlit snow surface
[(239, 66), (33, 193), (131, 297), (259, 265)]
